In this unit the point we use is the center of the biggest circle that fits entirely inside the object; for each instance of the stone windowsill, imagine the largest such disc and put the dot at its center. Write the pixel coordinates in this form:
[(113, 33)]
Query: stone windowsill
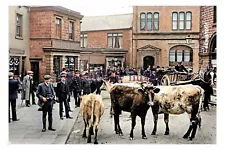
[(18, 37)]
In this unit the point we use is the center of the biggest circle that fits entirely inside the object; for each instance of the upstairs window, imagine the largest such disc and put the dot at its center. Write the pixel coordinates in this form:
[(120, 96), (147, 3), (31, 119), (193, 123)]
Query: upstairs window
[(188, 20), (19, 25), (181, 20), (115, 40), (71, 30), (156, 21), (83, 40), (143, 19), (149, 21), (175, 21), (58, 28)]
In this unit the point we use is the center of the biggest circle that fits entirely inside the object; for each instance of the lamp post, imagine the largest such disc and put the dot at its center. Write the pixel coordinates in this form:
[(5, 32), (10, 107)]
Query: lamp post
[(188, 39)]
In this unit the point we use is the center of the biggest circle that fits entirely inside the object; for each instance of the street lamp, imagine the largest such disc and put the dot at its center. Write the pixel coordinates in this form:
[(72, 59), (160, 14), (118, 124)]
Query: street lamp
[(188, 39)]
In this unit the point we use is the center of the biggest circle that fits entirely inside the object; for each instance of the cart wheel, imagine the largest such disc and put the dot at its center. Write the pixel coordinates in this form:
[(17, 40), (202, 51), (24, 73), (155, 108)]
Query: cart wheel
[(165, 80)]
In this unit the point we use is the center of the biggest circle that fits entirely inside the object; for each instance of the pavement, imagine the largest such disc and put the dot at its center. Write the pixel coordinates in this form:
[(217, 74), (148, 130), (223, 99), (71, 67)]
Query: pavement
[(28, 129)]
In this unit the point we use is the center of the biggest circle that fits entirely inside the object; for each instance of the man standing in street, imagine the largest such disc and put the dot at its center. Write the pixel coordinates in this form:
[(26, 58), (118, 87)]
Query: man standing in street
[(13, 95), (45, 94), (76, 86), (27, 87), (113, 78), (62, 94), (32, 90), (86, 84)]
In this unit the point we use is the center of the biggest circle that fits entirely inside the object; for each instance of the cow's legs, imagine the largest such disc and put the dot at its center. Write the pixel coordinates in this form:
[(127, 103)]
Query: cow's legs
[(118, 124), (133, 123), (155, 115), (84, 133), (89, 135), (143, 126), (115, 123), (195, 120), (96, 131), (91, 130), (166, 120)]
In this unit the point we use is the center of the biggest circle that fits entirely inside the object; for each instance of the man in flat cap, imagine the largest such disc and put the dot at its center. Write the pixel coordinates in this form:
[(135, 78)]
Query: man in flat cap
[(27, 87), (76, 86), (62, 94), (45, 94), (86, 84), (13, 95)]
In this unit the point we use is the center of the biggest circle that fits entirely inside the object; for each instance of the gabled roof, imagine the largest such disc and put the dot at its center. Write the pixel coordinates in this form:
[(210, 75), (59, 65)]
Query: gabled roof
[(149, 47), (95, 23)]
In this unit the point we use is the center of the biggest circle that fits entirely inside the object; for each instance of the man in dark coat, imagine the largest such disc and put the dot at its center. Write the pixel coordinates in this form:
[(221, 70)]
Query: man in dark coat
[(76, 85), (13, 95), (86, 84), (62, 94), (45, 94), (113, 78), (180, 68)]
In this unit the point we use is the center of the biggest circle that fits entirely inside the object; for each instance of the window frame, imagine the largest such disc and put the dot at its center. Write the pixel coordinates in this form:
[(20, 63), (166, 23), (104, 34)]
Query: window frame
[(60, 27), (176, 21), (114, 36), (20, 25), (82, 36), (154, 21), (180, 20), (188, 20), (143, 29), (71, 35), (151, 21)]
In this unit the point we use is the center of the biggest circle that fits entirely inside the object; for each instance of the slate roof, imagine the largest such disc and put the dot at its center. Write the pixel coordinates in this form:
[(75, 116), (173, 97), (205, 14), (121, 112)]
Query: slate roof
[(95, 23)]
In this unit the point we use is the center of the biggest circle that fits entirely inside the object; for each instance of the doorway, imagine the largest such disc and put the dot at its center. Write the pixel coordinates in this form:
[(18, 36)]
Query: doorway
[(148, 61), (35, 69)]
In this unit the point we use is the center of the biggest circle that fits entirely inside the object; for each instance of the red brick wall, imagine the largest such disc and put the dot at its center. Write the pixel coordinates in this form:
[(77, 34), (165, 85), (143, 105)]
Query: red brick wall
[(207, 29), (98, 39)]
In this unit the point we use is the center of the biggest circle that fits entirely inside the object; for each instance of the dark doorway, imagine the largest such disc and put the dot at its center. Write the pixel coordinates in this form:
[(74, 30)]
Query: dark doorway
[(148, 61), (35, 69)]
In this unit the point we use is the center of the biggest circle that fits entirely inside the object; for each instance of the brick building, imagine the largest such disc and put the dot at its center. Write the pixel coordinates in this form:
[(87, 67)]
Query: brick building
[(106, 40), (207, 36), (19, 39), (165, 35), (54, 40)]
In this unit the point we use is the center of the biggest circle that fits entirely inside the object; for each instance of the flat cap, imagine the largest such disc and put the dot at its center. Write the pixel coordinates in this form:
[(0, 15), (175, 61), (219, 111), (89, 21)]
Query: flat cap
[(63, 74), (46, 77), (30, 72)]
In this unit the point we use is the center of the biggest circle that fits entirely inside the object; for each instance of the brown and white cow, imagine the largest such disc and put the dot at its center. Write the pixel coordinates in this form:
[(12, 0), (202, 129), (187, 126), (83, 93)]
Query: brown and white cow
[(92, 108), (178, 100), (131, 98)]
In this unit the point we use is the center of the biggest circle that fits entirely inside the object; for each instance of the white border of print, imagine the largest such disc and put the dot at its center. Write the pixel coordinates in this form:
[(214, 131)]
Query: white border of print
[(100, 4)]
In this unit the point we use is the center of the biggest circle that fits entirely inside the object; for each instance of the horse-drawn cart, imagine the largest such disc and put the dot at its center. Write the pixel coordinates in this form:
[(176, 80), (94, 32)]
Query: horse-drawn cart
[(173, 78)]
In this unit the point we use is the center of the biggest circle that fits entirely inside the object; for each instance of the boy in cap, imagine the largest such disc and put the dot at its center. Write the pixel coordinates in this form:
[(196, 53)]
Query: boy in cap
[(45, 94), (62, 94)]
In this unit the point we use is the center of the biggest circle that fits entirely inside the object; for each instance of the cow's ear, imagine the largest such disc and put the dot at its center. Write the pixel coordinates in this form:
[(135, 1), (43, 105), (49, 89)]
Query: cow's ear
[(156, 90)]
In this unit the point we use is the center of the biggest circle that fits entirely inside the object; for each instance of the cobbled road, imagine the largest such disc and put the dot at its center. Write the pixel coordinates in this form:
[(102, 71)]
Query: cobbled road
[(178, 126)]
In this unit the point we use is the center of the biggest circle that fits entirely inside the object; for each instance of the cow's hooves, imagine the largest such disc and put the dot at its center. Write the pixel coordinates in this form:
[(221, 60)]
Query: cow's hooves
[(144, 137), (153, 133), (185, 136), (95, 142), (131, 138), (84, 136), (89, 141), (190, 139), (166, 133)]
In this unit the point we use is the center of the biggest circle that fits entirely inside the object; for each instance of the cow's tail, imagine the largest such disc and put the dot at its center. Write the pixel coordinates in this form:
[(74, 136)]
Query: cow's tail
[(202, 95), (93, 109)]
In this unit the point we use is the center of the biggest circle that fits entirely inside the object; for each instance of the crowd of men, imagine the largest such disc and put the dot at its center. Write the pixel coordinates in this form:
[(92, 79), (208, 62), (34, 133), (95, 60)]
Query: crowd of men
[(70, 83)]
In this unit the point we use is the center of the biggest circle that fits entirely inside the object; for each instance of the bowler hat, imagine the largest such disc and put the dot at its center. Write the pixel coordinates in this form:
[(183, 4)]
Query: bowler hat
[(47, 77)]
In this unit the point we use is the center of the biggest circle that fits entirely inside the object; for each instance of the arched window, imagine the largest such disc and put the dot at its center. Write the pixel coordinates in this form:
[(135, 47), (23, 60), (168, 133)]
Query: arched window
[(188, 20), (143, 18), (174, 21), (180, 53), (156, 21), (149, 21), (181, 20)]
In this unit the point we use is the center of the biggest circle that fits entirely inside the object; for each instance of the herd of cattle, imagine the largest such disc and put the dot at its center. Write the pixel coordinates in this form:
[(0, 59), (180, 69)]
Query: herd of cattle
[(137, 98)]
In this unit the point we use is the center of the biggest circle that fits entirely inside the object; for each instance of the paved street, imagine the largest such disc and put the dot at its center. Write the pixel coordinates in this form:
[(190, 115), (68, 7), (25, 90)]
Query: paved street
[(28, 129), (178, 126)]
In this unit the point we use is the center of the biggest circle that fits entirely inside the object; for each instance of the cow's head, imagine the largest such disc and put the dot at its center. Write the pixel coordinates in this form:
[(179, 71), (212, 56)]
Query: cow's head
[(149, 91)]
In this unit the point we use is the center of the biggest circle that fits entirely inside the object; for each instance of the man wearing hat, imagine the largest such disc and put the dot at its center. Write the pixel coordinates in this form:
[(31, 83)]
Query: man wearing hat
[(27, 87), (62, 94), (86, 84), (13, 95), (45, 94), (76, 86)]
